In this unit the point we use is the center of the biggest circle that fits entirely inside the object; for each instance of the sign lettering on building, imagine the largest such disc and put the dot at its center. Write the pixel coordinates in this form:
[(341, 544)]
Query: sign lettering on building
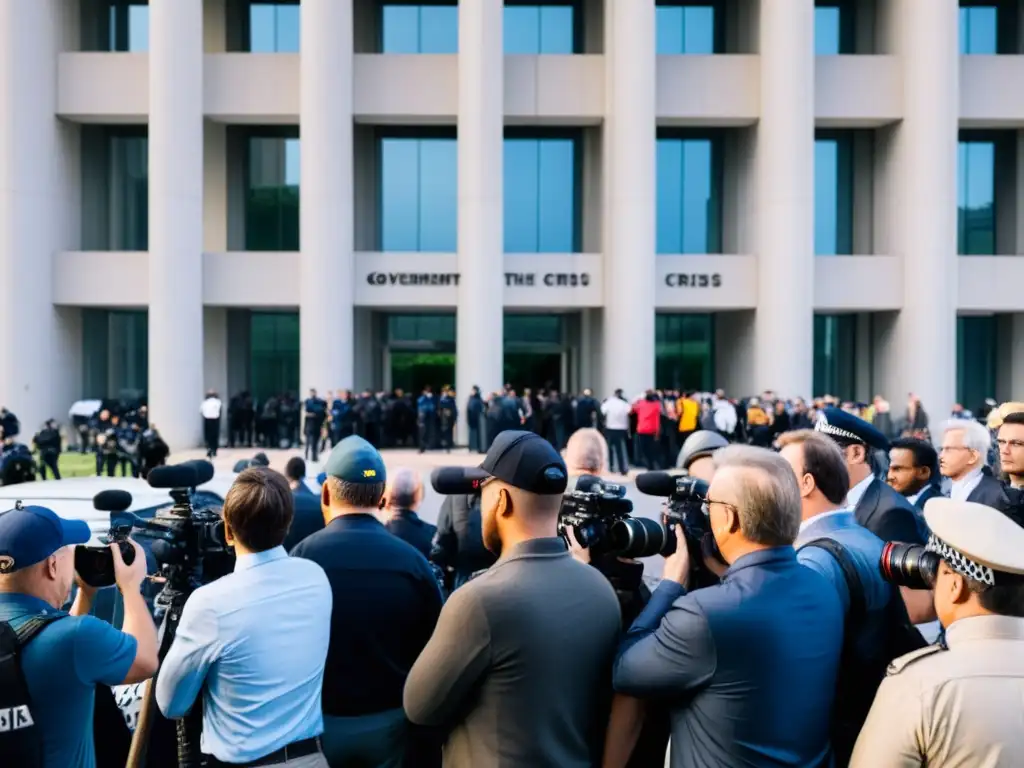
[(512, 279), (413, 278), (693, 280)]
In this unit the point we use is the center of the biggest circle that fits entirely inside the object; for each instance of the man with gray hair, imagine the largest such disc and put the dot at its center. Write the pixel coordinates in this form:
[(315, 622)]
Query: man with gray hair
[(963, 458), (751, 662), (403, 497)]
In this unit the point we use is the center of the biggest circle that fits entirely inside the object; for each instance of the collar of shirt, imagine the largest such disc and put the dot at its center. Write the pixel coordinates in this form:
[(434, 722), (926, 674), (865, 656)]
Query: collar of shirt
[(913, 499), (15, 603), (984, 628), (245, 562), (356, 520), (552, 546), (811, 521), (761, 557), (855, 494), (962, 488)]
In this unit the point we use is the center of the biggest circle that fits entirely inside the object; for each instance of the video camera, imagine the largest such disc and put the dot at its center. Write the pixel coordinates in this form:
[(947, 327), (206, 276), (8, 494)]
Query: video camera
[(600, 517)]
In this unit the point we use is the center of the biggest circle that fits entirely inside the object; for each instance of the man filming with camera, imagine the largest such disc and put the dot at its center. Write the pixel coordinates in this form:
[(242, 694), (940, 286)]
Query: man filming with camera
[(517, 667), (62, 656), (254, 641), (750, 663)]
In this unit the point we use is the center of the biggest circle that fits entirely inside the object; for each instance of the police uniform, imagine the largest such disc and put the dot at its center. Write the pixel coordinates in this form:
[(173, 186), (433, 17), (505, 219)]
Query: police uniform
[(880, 509), (959, 703)]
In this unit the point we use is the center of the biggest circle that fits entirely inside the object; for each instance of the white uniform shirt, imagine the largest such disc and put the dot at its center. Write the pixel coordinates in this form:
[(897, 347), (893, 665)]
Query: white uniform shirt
[(616, 413), (210, 408)]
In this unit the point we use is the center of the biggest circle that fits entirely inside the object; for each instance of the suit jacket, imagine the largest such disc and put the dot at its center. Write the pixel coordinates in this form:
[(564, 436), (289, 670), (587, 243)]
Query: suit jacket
[(889, 515), (931, 492), (309, 518), (990, 492), (407, 525)]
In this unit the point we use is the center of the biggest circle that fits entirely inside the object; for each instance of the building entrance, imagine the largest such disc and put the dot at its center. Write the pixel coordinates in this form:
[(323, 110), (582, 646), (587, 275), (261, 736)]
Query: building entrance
[(412, 371), (535, 370)]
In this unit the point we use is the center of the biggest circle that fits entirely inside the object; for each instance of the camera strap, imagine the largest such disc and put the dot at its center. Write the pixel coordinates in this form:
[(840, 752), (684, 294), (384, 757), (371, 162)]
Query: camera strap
[(858, 601)]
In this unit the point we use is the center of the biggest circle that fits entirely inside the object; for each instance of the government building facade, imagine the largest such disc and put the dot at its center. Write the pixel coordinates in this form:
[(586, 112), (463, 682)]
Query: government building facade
[(802, 196)]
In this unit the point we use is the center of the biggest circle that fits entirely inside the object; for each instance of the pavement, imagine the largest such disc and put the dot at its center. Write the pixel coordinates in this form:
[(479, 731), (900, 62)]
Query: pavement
[(643, 506)]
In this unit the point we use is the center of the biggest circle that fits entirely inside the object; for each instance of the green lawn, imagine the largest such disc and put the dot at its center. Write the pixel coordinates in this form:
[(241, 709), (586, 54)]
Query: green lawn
[(74, 464)]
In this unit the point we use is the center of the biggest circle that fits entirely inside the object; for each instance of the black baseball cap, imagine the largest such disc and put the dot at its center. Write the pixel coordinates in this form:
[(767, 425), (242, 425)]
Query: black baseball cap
[(523, 460)]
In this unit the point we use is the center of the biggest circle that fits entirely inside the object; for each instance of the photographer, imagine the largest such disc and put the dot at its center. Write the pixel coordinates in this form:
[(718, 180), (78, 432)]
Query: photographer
[(48, 442), (959, 703), (63, 657), (696, 455), (516, 670), (254, 642), (750, 663)]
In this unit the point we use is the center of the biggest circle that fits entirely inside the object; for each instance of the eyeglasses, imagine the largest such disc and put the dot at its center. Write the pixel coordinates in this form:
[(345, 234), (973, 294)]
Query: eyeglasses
[(946, 448), (706, 506), (1010, 443)]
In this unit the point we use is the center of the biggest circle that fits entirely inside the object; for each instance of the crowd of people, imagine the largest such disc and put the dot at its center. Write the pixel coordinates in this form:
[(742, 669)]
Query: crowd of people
[(801, 647)]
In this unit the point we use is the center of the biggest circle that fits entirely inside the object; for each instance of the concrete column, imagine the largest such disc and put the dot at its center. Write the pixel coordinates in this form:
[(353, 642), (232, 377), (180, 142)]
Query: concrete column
[(925, 170), (326, 216), (480, 314), (784, 321), (38, 174), (176, 219), (629, 195)]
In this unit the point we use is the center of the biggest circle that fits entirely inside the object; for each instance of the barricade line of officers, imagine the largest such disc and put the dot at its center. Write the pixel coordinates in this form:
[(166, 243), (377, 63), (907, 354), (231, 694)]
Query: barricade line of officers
[(347, 652)]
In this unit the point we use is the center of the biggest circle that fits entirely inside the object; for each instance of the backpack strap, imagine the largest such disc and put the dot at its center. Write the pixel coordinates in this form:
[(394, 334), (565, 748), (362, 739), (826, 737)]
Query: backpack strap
[(858, 601), (27, 630)]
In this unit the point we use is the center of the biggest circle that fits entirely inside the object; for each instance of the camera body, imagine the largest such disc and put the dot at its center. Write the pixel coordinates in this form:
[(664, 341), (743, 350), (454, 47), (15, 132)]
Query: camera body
[(96, 564), (592, 512)]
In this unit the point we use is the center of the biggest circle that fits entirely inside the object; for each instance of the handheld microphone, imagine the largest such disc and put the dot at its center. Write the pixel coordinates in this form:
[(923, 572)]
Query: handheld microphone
[(112, 501), (452, 481), (177, 476), (656, 483)]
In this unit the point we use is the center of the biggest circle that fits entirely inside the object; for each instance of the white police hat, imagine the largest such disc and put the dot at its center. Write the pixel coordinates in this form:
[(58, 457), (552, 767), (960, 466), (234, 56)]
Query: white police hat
[(975, 540)]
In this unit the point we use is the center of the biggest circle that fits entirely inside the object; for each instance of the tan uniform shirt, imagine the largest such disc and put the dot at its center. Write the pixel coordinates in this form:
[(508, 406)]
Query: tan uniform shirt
[(957, 707)]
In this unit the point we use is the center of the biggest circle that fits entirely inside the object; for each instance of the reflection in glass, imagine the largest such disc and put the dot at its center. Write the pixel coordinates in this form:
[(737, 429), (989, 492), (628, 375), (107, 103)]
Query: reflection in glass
[(685, 29), (273, 353), (684, 351), (976, 190), (826, 30), (688, 196), (418, 187), (129, 26), (833, 196), (540, 195), (978, 30), (115, 352), (128, 186), (835, 356), (538, 29), (273, 27), (272, 194), (976, 362)]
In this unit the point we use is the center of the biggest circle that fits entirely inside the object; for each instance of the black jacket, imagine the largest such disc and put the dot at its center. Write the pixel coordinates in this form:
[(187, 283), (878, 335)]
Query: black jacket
[(889, 515), (407, 525), (930, 492), (990, 492), (459, 543), (308, 518)]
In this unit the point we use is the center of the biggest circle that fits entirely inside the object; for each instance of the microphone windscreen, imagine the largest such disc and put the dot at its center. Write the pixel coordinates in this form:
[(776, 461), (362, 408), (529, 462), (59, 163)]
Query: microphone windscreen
[(175, 476), (656, 483), (451, 481), (204, 470), (112, 501)]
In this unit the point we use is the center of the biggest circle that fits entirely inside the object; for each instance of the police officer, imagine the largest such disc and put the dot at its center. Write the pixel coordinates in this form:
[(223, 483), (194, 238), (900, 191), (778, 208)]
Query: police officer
[(98, 426), (48, 443), (587, 410), (448, 413), (316, 412), (426, 410), (474, 415), (960, 702), (9, 424)]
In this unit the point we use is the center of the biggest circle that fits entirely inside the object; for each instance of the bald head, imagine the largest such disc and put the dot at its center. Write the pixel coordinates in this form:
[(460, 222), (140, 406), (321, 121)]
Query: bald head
[(405, 489), (586, 452)]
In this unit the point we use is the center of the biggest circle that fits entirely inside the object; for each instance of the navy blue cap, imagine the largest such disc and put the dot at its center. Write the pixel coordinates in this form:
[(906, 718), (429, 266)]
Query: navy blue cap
[(844, 427), (523, 460), (356, 461), (29, 535)]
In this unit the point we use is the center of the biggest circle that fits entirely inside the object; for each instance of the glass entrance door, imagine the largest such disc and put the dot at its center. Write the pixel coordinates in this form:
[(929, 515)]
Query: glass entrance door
[(537, 370), (412, 371)]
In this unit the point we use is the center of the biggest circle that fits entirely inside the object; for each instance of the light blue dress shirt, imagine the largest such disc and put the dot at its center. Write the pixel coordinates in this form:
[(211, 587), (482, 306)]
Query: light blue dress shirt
[(258, 639)]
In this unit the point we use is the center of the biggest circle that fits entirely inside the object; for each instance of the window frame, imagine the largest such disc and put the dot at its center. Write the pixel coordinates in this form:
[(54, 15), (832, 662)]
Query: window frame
[(847, 25), (246, 24), (718, 42), (716, 221)]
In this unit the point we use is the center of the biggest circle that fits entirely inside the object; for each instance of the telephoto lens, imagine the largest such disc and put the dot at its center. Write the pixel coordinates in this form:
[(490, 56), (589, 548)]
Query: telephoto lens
[(909, 565), (638, 537)]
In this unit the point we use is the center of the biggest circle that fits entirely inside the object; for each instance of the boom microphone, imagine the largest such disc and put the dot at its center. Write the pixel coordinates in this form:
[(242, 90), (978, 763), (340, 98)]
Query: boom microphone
[(175, 476), (656, 483), (451, 481), (112, 501), (204, 470)]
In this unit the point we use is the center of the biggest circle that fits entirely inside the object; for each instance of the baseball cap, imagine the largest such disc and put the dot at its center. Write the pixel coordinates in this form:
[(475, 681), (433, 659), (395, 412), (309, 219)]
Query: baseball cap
[(356, 461), (29, 535), (524, 460)]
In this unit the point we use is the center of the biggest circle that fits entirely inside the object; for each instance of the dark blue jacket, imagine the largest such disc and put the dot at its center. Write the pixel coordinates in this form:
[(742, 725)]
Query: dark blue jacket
[(308, 519), (425, 405), (749, 664)]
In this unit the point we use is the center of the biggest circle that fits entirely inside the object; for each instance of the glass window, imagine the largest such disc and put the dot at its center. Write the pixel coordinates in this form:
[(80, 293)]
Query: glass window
[(419, 200), (978, 30), (976, 190), (434, 28), (128, 187), (976, 344), (273, 27), (689, 196), (686, 29), (834, 30), (273, 353), (833, 195), (835, 355), (129, 26), (540, 195), (115, 353), (420, 329), (272, 194), (533, 329), (684, 351)]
